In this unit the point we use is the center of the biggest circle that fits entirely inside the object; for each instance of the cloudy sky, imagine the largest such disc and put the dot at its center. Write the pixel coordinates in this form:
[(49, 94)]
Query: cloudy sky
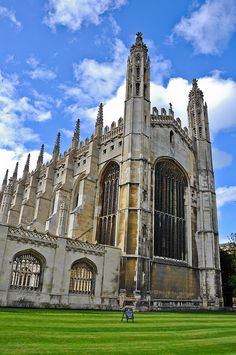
[(60, 58)]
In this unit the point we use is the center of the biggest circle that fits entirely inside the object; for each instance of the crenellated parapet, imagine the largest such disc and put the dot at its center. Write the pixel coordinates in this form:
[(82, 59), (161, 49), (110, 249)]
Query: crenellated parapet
[(112, 132), (163, 119)]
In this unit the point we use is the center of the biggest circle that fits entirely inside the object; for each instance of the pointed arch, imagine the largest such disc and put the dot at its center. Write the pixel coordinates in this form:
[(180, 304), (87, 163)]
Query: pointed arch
[(77, 192), (109, 193), (27, 270), (169, 210), (82, 277)]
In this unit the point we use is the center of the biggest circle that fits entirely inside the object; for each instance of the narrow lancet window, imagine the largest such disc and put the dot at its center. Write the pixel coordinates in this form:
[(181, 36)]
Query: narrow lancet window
[(109, 204)]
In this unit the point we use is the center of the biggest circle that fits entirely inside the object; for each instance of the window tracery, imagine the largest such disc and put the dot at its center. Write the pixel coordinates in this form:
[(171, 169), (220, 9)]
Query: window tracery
[(82, 278), (109, 201), (26, 272), (169, 211)]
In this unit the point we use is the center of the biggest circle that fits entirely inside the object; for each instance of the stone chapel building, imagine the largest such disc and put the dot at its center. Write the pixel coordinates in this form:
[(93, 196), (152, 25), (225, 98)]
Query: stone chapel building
[(126, 217)]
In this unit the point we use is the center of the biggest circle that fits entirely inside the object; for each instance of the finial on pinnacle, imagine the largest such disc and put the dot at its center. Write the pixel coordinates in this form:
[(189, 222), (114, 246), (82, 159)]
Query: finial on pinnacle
[(99, 120), (26, 168), (194, 82), (56, 149), (139, 35), (195, 89), (139, 43), (40, 157), (15, 171), (76, 135), (4, 183)]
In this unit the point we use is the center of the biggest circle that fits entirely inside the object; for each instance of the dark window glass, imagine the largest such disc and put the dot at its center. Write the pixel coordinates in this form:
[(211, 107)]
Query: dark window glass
[(109, 201), (169, 211)]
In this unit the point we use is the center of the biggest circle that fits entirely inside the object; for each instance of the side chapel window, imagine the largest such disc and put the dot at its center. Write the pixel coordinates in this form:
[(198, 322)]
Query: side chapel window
[(26, 272), (169, 212), (109, 201), (82, 278)]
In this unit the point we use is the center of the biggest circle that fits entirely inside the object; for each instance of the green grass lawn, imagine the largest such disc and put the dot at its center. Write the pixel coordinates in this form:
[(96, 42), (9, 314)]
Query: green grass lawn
[(25, 331)]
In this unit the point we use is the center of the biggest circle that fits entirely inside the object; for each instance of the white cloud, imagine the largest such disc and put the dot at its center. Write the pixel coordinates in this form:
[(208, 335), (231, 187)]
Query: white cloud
[(114, 25), (209, 28), (219, 95), (104, 82), (9, 158), (160, 67), (221, 159), (99, 80), (4, 12), (39, 71), (42, 73), (72, 13), (113, 109), (67, 132), (225, 194), (14, 112)]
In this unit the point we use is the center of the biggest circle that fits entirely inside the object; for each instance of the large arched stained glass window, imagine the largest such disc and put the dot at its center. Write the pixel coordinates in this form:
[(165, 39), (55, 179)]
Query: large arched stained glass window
[(169, 211), (82, 278), (109, 204), (26, 272)]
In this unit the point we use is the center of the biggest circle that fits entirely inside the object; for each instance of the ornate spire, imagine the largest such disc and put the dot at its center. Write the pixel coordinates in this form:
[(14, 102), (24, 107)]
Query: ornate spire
[(99, 120), (14, 176), (139, 43), (76, 135), (26, 168), (56, 149), (40, 157), (195, 91), (171, 112), (4, 183)]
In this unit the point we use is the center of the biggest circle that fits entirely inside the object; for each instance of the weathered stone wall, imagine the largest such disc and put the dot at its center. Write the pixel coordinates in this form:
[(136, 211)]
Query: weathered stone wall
[(58, 254), (176, 282)]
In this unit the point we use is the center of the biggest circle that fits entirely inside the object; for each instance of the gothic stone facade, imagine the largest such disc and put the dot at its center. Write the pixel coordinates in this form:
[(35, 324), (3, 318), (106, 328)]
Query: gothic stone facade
[(126, 217)]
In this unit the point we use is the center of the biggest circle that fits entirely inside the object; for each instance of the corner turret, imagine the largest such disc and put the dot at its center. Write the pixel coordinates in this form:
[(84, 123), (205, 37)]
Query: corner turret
[(197, 113)]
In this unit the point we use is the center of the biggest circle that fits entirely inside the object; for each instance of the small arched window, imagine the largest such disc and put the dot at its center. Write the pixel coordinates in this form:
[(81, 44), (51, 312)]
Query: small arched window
[(172, 141), (55, 203), (82, 278), (26, 272), (200, 132), (138, 72)]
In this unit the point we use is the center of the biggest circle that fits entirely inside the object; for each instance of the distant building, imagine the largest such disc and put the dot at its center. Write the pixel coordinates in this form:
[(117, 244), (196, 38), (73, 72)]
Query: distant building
[(126, 217)]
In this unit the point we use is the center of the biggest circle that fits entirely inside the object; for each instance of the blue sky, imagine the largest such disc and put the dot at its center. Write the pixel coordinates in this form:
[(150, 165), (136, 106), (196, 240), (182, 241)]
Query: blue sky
[(60, 58)]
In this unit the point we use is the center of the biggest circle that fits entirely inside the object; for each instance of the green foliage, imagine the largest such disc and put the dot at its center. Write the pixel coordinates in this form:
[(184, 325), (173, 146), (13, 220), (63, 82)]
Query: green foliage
[(226, 273), (232, 283), (232, 252), (25, 331)]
